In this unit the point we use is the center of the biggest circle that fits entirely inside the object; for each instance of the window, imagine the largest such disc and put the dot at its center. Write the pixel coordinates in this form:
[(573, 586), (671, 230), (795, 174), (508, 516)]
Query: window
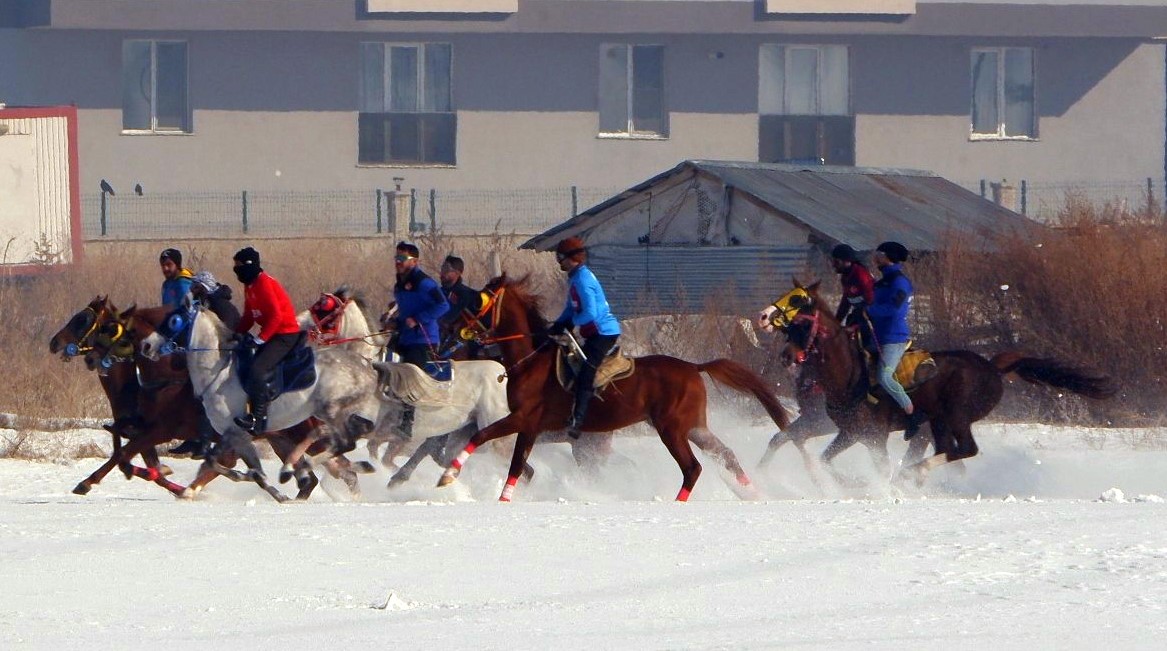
[(1003, 81), (406, 111), (804, 105), (632, 91), (154, 87)]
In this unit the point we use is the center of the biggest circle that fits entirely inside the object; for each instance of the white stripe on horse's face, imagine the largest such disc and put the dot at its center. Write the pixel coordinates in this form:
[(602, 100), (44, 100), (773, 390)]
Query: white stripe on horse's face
[(151, 346), (764, 321)]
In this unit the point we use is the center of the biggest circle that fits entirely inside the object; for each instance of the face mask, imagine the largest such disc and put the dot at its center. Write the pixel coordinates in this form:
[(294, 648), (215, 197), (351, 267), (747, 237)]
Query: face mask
[(247, 273)]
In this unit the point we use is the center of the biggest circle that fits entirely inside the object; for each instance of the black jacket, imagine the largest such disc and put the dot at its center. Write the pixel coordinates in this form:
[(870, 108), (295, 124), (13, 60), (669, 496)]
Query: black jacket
[(220, 303)]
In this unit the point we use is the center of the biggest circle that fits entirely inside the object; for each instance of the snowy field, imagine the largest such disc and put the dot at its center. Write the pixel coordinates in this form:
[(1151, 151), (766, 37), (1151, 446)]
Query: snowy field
[(1030, 549)]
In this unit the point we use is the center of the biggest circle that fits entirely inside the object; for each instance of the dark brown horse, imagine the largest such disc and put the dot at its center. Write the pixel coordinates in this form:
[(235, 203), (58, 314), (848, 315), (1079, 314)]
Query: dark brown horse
[(667, 392), (963, 390), (121, 388)]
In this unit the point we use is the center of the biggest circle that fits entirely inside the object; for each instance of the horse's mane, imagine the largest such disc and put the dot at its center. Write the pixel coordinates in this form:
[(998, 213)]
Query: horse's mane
[(349, 293), (518, 290)]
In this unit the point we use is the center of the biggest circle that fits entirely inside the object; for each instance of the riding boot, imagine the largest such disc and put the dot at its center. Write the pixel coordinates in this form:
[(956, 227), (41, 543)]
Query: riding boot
[(915, 420), (407, 416), (255, 420), (578, 413)]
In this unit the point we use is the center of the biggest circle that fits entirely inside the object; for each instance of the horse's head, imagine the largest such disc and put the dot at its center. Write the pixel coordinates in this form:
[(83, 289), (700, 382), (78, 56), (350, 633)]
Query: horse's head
[(111, 341), (169, 333), (801, 316), (75, 337)]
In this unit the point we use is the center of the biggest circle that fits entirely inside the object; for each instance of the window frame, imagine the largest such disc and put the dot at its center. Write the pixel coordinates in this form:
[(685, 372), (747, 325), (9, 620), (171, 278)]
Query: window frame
[(629, 99), (422, 92), (819, 48), (187, 117), (822, 126), (1000, 134)]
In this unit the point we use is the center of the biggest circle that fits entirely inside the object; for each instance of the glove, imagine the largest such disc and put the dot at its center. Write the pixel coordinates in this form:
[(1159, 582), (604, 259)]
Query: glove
[(557, 328)]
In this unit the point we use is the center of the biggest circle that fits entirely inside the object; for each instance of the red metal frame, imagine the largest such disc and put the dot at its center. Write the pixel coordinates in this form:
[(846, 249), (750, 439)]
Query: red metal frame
[(75, 237)]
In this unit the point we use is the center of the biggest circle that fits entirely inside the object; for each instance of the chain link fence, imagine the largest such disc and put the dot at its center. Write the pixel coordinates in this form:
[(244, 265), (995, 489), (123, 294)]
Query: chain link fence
[(260, 215), (226, 215)]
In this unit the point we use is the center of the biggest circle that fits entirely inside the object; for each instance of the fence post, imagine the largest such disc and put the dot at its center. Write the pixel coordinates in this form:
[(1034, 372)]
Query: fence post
[(412, 208), (378, 211), (1024, 196), (103, 212), (983, 189), (245, 212), (433, 210), (1150, 192), (574, 201)]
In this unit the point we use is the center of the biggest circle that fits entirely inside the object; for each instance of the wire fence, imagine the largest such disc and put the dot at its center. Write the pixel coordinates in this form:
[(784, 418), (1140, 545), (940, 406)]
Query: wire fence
[(258, 215), (352, 213)]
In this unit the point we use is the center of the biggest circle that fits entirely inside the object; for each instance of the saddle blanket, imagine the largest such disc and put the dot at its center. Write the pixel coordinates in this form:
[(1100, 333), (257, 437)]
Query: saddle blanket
[(412, 385), (614, 367)]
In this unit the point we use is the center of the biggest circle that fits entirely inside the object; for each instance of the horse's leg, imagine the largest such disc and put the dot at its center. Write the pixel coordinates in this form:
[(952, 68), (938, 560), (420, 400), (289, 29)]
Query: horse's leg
[(589, 451), (523, 444), (708, 442), (306, 480), (498, 429), (876, 444), (240, 441), (842, 441), (431, 447), (393, 446), (675, 439), (85, 485), (340, 467), (150, 456)]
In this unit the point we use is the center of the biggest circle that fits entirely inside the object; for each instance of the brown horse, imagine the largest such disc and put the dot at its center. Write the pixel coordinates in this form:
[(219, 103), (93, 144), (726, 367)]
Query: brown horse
[(121, 389), (963, 390), (667, 392), (167, 408)]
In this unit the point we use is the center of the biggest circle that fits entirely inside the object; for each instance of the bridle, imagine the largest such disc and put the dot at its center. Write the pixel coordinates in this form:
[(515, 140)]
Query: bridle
[(84, 344)]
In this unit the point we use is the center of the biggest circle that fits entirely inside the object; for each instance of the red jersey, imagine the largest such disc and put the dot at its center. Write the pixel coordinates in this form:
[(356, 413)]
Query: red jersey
[(858, 290), (265, 302)]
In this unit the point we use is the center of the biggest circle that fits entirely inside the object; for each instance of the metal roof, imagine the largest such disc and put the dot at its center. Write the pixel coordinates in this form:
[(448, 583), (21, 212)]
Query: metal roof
[(856, 205)]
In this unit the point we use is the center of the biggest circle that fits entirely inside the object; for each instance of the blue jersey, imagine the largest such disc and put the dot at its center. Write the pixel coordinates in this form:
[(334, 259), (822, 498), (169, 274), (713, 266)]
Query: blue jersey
[(889, 311), (419, 297), (587, 307), (175, 290)]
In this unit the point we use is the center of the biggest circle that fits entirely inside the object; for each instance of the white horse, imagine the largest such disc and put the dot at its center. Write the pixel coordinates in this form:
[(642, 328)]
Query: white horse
[(346, 327), (343, 393)]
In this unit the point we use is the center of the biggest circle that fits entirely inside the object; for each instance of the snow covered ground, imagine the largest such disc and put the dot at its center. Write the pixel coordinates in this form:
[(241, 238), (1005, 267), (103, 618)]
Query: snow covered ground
[(1030, 549)]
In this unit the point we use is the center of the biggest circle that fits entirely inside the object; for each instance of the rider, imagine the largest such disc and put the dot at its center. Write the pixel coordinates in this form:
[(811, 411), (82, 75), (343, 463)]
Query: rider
[(217, 298), (177, 278), (460, 297), (889, 319), (265, 303), (420, 303), (587, 308), (858, 292)]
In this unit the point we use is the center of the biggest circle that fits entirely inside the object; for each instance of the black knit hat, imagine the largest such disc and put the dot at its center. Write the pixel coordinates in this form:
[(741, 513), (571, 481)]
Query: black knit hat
[(247, 255), (844, 252), (174, 255), (894, 251), (455, 263), (409, 248)]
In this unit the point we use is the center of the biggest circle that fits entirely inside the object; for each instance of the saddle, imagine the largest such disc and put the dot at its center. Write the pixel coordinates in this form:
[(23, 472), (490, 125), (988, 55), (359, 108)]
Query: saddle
[(614, 367), (915, 368), (415, 386), (295, 372)]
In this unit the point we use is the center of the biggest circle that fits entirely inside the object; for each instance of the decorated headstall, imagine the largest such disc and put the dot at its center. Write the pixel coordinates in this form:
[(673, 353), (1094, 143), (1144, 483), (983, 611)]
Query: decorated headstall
[(84, 326), (112, 336), (176, 328), (787, 308), (327, 315)]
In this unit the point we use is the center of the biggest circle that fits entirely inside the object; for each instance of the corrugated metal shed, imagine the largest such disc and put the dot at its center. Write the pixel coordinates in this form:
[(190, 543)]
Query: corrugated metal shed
[(715, 236), (859, 206)]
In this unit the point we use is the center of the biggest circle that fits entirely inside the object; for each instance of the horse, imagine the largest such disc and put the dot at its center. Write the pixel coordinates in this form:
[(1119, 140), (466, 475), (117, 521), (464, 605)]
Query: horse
[(964, 388), (338, 319), (166, 406), (341, 394), (121, 389), (667, 392)]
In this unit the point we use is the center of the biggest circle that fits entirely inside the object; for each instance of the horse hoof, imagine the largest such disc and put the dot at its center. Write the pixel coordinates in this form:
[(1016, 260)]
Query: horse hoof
[(188, 493), (396, 481), (164, 470), (81, 489), (286, 475), (446, 480), (364, 468)]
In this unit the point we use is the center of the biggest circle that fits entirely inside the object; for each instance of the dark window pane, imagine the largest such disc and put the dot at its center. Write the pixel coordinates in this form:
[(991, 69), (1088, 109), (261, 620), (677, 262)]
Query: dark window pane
[(371, 95), (806, 139), (984, 93), (614, 89), (438, 137), (1019, 116), (136, 85), (371, 138), (437, 77), (648, 89), (403, 139), (170, 83), (839, 140), (403, 79)]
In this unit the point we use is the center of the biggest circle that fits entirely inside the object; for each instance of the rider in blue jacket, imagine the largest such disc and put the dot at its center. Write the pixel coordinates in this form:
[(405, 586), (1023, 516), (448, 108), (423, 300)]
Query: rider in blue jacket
[(587, 309), (420, 302), (889, 320), (178, 279)]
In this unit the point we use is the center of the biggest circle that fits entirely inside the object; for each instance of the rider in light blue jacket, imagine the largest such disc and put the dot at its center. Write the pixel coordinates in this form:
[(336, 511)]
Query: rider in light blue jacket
[(587, 309)]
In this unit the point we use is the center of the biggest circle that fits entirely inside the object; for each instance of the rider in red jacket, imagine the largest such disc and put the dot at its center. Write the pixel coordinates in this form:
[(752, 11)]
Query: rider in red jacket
[(858, 292), (267, 304)]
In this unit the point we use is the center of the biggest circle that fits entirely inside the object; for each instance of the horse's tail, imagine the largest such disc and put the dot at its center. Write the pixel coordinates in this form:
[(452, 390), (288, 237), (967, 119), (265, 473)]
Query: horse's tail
[(740, 378), (1041, 370)]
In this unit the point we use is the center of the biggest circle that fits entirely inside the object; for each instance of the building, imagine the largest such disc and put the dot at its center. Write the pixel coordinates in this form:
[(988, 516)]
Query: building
[(283, 95)]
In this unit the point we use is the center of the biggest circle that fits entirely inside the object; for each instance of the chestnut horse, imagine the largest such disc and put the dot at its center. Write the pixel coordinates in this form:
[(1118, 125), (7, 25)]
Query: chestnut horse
[(667, 392), (963, 390)]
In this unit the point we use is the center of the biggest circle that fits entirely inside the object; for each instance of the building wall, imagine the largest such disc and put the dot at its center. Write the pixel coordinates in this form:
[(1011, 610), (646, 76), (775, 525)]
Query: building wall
[(286, 102)]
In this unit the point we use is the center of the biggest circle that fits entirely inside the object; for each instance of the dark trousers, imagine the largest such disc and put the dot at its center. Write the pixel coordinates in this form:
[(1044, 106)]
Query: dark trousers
[(267, 358), (595, 349)]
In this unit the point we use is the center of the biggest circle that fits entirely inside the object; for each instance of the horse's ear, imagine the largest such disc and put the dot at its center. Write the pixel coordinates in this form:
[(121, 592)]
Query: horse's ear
[(813, 288), (128, 312), (796, 282)]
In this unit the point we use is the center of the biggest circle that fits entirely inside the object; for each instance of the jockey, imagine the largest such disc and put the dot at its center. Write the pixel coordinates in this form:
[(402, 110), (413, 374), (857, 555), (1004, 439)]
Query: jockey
[(420, 303), (460, 297), (217, 298), (588, 309), (858, 292), (889, 319), (267, 304), (177, 279)]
